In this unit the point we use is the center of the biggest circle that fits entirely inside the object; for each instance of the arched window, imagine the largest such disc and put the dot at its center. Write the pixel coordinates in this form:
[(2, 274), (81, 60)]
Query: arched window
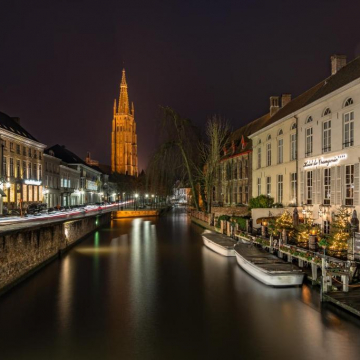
[(280, 132), (309, 120), (259, 142), (348, 102), (293, 126), (326, 112), (268, 138)]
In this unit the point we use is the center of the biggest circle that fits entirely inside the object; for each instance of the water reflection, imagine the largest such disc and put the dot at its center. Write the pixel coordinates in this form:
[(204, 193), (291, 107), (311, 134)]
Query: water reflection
[(149, 289)]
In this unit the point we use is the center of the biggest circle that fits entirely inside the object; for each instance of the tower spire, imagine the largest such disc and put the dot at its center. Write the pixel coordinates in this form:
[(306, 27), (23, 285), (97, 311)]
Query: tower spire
[(124, 98)]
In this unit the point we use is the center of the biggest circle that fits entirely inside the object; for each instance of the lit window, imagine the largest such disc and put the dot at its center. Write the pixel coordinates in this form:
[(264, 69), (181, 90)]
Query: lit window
[(327, 186), (326, 136), (308, 142), (309, 186), (280, 188), (349, 184), (349, 129)]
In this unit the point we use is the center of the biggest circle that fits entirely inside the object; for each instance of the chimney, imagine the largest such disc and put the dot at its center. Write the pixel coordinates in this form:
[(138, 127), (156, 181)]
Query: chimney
[(285, 99), (274, 105), (337, 62), (16, 119)]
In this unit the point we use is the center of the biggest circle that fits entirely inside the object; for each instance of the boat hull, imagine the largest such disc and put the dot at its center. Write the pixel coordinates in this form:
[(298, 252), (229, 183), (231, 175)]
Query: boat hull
[(218, 248), (277, 279)]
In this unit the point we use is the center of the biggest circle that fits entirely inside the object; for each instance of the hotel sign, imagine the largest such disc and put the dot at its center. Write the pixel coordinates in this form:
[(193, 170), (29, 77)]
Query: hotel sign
[(32, 182), (330, 161)]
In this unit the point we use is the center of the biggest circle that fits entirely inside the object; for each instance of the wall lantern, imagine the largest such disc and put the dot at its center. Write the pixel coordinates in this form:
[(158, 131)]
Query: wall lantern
[(313, 231)]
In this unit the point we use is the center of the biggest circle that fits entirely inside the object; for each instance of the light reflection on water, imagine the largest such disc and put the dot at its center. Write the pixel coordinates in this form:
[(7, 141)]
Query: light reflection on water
[(149, 289)]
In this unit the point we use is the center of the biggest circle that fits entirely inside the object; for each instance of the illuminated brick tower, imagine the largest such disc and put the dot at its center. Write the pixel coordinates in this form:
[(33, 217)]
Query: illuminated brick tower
[(123, 136)]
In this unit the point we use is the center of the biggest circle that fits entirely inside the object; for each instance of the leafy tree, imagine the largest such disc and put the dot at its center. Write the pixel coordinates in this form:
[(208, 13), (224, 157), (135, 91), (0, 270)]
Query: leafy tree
[(261, 201)]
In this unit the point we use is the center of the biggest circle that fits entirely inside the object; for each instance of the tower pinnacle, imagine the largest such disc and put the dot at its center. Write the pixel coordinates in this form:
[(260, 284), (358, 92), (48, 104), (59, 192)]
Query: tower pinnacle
[(124, 98)]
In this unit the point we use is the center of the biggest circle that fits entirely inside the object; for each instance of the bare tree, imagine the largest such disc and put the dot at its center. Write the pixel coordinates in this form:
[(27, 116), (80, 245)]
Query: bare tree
[(217, 134), (177, 156)]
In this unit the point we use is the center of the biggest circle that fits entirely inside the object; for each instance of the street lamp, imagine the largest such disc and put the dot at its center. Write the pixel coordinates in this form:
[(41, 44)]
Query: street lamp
[(136, 196)]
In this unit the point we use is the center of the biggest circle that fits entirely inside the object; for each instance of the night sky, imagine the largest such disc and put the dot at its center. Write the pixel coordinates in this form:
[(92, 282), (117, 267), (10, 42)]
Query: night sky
[(61, 61)]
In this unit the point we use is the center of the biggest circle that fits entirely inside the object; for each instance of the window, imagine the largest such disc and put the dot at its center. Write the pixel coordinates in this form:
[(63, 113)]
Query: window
[(246, 194), (35, 171), (268, 186), (11, 146), (327, 186), (280, 132), (35, 154), (293, 187), (327, 112), (240, 170), (24, 150), (280, 151), (349, 102), (18, 149), (11, 167), (246, 169), (309, 120), (40, 155), (29, 171), (18, 171), (4, 166), (349, 184), (29, 152), (293, 150), (280, 188), (268, 138), (268, 154), (259, 158), (259, 186), (40, 172), (24, 169), (326, 227), (293, 126), (308, 142), (326, 136), (309, 184), (240, 194), (235, 171), (349, 129)]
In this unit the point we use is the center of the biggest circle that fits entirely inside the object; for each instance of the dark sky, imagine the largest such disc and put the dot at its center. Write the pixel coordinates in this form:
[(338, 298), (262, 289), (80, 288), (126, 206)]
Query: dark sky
[(61, 61)]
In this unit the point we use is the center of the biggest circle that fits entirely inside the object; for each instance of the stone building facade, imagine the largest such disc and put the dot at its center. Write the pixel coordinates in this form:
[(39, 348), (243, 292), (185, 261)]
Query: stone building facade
[(124, 158), (21, 165), (51, 180)]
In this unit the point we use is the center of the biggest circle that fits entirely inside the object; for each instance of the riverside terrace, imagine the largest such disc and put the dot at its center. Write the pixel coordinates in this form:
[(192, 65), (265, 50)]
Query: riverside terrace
[(337, 279)]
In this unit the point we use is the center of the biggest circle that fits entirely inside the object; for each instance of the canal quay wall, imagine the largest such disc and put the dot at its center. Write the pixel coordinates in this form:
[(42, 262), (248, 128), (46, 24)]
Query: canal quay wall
[(25, 251)]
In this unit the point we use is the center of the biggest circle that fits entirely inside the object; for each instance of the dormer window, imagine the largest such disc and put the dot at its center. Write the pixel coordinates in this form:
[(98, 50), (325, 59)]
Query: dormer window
[(309, 120), (349, 102)]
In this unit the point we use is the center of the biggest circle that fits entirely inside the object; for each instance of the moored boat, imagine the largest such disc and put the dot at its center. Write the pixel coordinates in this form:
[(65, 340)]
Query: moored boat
[(267, 268), (221, 244)]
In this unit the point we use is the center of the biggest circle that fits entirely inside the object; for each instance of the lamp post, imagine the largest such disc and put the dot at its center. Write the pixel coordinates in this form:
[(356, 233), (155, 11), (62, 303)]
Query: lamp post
[(312, 238), (152, 200), (136, 196), (264, 225)]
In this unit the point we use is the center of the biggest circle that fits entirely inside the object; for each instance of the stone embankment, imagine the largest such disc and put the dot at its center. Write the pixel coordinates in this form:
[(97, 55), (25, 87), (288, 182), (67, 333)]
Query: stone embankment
[(22, 252)]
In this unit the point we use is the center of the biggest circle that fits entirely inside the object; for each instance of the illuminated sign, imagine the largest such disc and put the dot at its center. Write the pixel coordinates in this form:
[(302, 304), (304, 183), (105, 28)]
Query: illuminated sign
[(331, 161), (91, 185), (33, 182)]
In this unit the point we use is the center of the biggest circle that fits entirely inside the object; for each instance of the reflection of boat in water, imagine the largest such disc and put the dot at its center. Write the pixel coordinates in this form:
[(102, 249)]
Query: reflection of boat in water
[(267, 268), (221, 244)]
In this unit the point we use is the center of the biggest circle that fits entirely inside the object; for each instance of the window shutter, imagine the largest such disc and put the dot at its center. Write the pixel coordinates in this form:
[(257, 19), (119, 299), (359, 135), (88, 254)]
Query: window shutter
[(318, 187), (302, 187), (356, 184), (314, 173), (332, 185), (338, 185)]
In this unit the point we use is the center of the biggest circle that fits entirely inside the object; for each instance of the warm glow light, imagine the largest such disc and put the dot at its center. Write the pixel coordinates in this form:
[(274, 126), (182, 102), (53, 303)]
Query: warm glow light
[(152, 195), (146, 195), (313, 231), (7, 185), (136, 195)]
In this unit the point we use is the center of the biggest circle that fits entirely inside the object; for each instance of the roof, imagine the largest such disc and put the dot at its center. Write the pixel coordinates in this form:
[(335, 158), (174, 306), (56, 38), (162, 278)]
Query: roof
[(9, 124), (61, 152), (344, 76)]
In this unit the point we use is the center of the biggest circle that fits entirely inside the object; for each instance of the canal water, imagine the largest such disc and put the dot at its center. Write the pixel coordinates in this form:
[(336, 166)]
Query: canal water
[(149, 289)]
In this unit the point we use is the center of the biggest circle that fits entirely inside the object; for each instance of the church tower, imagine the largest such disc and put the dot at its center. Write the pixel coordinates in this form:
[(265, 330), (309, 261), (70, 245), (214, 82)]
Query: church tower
[(123, 136)]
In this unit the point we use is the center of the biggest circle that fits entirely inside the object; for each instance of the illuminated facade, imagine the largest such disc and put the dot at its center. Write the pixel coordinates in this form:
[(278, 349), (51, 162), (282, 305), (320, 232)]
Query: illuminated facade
[(21, 165), (123, 136)]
